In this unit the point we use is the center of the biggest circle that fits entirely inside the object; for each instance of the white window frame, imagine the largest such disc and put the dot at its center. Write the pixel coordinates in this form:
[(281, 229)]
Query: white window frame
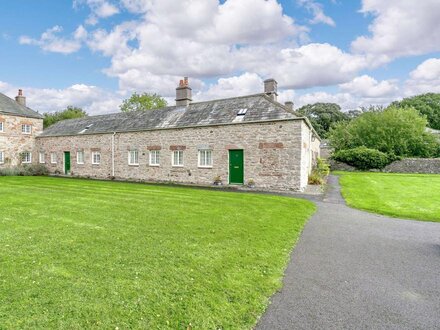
[(28, 160), (133, 158), (2, 126), (98, 155), (53, 158), (204, 159), (80, 160), (26, 129), (154, 158), (180, 158), (41, 157), (2, 157)]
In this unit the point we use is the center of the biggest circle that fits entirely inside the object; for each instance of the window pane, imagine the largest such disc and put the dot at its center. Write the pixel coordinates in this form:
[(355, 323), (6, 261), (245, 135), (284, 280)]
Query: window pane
[(2, 157)]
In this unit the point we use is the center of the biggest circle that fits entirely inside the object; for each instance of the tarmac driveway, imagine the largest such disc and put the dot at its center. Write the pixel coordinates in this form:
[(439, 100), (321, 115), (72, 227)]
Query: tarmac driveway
[(356, 270)]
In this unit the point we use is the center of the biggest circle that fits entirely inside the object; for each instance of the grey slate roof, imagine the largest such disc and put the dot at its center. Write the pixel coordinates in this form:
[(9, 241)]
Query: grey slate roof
[(11, 107), (218, 112)]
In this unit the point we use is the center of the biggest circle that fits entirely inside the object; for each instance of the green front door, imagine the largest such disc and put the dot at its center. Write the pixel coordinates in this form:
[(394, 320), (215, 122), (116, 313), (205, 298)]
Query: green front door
[(66, 162), (236, 167)]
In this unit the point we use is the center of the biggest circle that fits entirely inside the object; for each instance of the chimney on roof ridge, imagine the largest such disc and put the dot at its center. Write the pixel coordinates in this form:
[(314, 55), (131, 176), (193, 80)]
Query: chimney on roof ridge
[(20, 99), (289, 105), (183, 93), (271, 88)]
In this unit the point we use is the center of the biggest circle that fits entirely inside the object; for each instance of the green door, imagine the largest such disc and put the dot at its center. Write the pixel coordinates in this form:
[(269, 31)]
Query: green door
[(66, 162), (236, 167)]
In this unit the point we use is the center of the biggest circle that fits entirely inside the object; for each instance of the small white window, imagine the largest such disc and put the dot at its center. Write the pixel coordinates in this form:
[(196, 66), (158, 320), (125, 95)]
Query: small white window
[(133, 157), (42, 157), (178, 158), (26, 157), (80, 157), (154, 157), (2, 127), (205, 158), (53, 158), (96, 158), (26, 129), (2, 157)]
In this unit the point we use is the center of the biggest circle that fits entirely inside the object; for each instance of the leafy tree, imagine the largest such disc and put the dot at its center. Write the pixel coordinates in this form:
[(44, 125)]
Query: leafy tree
[(143, 102), (323, 116), (426, 104), (69, 113), (394, 131)]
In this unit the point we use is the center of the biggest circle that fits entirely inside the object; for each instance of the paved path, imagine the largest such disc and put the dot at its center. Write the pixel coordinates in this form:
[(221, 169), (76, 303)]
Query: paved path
[(356, 270)]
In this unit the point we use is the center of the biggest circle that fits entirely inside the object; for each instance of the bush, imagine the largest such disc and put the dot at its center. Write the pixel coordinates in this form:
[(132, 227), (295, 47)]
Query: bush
[(364, 158), (401, 132), (25, 170), (321, 170)]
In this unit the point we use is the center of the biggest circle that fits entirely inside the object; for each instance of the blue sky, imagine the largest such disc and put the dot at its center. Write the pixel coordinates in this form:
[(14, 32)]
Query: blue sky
[(95, 53)]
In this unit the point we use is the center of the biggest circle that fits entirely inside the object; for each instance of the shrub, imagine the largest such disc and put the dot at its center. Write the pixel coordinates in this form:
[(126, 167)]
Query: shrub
[(319, 172), (393, 131), (25, 170), (363, 158)]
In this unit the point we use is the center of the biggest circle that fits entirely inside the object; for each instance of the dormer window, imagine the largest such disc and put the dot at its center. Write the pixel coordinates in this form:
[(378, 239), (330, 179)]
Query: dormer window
[(241, 112)]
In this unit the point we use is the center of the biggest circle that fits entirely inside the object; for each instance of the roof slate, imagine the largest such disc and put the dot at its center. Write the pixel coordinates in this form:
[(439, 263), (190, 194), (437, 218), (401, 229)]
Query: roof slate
[(218, 112), (11, 107)]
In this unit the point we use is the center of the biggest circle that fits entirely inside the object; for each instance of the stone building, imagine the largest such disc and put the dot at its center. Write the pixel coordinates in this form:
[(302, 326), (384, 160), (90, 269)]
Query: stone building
[(19, 127), (242, 140)]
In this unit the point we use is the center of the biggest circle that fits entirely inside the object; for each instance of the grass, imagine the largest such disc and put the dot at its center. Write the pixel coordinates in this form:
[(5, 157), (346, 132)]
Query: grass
[(412, 196), (80, 254)]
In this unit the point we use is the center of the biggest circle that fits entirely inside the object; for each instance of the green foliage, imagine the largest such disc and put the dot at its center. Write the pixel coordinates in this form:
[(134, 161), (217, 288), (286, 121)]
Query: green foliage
[(143, 102), (407, 196), (81, 254), (323, 116), (69, 113), (394, 131), (25, 170), (425, 104), (362, 158), (319, 172)]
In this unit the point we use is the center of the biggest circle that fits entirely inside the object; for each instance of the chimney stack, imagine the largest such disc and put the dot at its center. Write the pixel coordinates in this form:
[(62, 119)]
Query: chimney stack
[(289, 105), (183, 93), (20, 99), (271, 88)]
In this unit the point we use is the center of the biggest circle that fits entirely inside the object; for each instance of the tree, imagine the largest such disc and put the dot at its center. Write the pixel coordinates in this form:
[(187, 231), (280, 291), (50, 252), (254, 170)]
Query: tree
[(69, 113), (323, 116), (143, 102), (426, 104), (394, 131)]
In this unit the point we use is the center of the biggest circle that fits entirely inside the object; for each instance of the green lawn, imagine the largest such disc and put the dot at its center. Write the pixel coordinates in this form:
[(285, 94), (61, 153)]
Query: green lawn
[(413, 196), (80, 254)]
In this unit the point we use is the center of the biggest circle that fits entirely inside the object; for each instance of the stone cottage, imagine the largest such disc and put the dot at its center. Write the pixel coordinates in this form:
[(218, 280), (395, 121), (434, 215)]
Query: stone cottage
[(237, 141), (19, 127)]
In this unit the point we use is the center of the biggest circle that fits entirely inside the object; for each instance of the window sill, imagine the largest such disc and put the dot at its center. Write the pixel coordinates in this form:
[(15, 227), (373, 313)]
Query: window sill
[(205, 167), (154, 165), (133, 165), (96, 164), (79, 163), (178, 166)]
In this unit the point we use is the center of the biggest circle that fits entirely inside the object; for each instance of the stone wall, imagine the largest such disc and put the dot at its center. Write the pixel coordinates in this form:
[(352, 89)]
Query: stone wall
[(13, 142), (272, 154), (415, 165)]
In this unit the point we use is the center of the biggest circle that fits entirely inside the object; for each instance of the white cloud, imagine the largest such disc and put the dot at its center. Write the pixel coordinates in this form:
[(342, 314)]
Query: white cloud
[(401, 28), (92, 99), (51, 42), (318, 12), (366, 86), (424, 79), (245, 84), (99, 9)]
